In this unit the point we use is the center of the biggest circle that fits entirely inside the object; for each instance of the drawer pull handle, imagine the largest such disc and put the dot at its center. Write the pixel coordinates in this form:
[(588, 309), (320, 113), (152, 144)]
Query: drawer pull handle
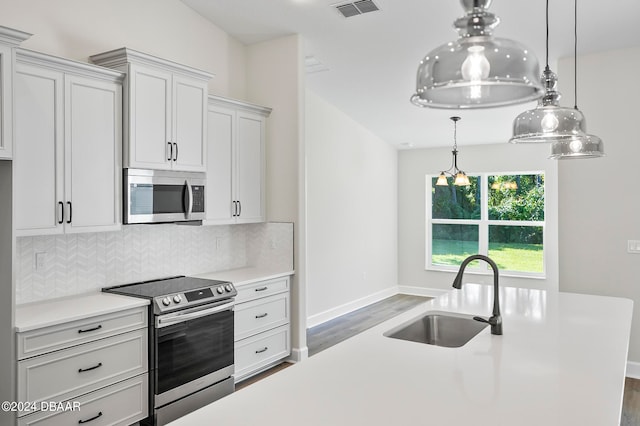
[(261, 315), (82, 370), (261, 288), (90, 329), (259, 351), (91, 419)]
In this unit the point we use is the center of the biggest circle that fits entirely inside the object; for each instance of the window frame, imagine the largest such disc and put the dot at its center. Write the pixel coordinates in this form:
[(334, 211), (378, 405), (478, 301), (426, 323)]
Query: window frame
[(483, 226)]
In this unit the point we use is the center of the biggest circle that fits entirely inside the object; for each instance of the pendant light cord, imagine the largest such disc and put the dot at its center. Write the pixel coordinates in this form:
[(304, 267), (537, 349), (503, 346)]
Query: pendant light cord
[(547, 39), (455, 132), (575, 54)]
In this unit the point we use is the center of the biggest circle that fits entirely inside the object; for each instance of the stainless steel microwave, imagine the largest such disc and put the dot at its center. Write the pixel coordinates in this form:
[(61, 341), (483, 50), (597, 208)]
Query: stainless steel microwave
[(163, 196)]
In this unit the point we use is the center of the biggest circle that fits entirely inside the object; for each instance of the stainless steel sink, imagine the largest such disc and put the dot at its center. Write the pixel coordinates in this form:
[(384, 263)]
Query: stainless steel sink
[(438, 328)]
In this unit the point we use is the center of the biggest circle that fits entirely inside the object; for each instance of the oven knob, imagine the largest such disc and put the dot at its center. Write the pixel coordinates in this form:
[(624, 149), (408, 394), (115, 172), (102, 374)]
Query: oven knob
[(228, 288), (220, 290), (177, 298), (166, 301)]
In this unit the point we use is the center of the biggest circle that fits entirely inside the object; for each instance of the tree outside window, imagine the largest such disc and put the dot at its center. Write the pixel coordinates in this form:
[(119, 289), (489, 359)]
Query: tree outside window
[(498, 215)]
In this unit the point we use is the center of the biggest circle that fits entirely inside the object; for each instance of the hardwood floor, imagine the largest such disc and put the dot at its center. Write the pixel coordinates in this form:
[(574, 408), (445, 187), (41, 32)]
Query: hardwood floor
[(335, 331), (631, 403)]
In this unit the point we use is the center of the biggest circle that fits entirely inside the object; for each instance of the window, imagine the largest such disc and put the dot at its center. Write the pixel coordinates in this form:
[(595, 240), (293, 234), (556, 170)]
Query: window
[(498, 215)]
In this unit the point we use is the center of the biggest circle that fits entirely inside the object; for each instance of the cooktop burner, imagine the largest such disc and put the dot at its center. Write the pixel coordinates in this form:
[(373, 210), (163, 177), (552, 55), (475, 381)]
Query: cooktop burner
[(170, 294)]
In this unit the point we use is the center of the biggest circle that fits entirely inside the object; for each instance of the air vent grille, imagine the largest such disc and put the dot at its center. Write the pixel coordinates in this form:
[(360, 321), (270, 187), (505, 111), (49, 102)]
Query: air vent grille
[(357, 8)]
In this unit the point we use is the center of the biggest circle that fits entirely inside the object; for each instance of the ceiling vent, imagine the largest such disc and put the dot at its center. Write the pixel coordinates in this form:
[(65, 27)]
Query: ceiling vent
[(357, 8)]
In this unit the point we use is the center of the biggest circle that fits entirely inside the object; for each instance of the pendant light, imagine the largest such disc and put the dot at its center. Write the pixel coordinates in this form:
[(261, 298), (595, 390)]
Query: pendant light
[(459, 177), (549, 122), (477, 70), (580, 145)]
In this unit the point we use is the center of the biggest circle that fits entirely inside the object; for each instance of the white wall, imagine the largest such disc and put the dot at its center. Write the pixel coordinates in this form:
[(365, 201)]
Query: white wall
[(351, 212), (77, 29), (275, 78), (413, 165), (599, 198)]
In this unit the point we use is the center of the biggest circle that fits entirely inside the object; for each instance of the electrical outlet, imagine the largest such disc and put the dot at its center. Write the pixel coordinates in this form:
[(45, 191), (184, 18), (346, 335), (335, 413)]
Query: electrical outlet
[(633, 246), (272, 243), (218, 243), (39, 260)]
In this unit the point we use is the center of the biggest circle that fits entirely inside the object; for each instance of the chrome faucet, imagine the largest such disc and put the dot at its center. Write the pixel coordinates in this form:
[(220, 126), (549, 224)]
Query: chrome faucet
[(496, 320)]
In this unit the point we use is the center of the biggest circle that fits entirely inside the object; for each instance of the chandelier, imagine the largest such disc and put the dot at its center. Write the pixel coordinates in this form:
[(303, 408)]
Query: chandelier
[(459, 177)]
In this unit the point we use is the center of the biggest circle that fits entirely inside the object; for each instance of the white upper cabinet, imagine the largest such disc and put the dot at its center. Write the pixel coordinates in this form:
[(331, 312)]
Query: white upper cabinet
[(235, 162), (165, 111), (68, 136), (9, 39)]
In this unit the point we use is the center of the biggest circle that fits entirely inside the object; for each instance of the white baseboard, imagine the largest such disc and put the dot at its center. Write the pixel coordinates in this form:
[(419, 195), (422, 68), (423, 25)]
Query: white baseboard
[(332, 313), (633, 369), (421, 291)]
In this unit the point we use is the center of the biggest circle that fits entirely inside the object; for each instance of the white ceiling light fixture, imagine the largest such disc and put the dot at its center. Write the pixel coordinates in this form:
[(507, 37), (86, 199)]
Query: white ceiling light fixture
[(579, 145), (477, 70), (551, 123), (459, 177)]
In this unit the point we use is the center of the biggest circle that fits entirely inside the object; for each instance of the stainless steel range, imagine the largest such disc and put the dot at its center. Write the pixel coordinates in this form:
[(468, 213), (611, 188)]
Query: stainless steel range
[(190, 343)]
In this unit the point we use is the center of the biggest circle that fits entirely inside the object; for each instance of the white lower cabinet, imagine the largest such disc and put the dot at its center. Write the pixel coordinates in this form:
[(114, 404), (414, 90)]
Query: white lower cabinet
[(256, 353), (121, 404), (262, 326), (94, 370)]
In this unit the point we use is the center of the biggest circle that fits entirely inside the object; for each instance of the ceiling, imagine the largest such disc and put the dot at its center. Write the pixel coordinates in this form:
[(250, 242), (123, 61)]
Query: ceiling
[(372, 59)]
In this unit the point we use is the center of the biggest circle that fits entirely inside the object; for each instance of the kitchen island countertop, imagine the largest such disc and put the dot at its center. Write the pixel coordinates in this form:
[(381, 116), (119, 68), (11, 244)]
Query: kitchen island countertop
[(560, 361)]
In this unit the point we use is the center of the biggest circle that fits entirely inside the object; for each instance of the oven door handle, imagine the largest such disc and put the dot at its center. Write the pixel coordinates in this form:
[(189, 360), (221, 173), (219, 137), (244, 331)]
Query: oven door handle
[(166, 320)]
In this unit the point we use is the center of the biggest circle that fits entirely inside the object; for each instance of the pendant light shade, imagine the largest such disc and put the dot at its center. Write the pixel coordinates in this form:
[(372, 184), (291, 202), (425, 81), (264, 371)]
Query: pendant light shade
[(581, 145), (577, 147), (565, 128), (548, 122), (459, 177), (477, 70)]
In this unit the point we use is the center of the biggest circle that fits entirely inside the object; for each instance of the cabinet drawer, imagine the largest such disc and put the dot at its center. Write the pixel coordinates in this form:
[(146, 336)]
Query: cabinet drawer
[(48, 339), (260, 350), (261, 315), (121, 404), (68, 373), (262, 289)]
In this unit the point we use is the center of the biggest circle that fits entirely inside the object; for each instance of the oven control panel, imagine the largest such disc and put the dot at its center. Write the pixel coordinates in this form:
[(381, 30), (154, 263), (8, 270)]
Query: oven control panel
[(171, 302)]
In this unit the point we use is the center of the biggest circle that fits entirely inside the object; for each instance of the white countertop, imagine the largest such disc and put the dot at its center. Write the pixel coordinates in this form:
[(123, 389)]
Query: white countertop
[(560, 361), (243, 276), (36, 315)]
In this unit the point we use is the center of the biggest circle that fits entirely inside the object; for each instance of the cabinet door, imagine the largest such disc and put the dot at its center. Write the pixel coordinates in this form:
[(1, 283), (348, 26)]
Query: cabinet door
[(5, 102), (189, 124), (220, 134), (249, 187), (149, 119), (93, 111), (38, 156)]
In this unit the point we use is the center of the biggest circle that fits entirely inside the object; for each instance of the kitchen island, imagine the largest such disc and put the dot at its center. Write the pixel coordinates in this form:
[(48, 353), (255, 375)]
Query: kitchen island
[(560, 361)]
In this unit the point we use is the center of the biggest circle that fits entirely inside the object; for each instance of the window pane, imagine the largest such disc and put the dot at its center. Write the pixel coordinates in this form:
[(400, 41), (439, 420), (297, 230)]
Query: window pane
[(516, 197), (451, 244), (456, 202), (516, 248)]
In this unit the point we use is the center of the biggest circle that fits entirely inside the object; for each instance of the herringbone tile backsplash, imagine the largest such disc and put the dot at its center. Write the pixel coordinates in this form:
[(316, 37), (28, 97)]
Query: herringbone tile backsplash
[(80, 263)]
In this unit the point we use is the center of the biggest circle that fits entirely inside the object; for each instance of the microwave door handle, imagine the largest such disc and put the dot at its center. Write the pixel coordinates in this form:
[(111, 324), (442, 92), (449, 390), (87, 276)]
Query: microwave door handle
[(190, 200)]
